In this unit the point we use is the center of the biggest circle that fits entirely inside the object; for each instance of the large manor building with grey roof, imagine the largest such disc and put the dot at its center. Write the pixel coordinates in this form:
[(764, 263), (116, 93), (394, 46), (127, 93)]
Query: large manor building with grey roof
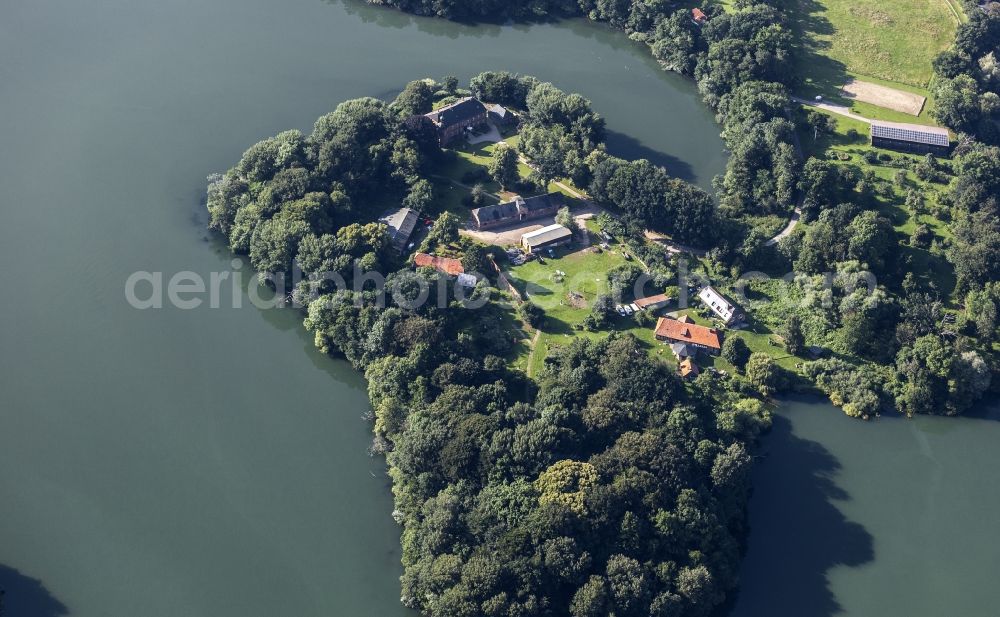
[(452, 120)]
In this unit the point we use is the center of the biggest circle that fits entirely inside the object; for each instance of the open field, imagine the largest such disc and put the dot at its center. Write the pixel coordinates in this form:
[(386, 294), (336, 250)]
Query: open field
[(892, 40)]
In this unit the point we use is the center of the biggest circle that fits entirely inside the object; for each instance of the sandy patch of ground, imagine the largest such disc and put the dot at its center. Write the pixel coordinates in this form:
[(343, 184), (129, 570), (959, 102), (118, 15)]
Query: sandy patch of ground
[(883, 96)]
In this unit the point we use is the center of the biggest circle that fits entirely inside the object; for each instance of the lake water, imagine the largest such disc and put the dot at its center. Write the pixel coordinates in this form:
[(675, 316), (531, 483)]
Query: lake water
[(891, 517), (209, 462)]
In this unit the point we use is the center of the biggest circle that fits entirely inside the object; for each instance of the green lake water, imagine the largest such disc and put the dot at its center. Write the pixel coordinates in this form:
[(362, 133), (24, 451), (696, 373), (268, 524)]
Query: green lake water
[(209, 462)]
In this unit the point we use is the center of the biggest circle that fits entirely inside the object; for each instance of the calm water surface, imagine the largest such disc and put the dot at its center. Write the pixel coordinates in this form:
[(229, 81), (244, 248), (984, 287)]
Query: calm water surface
[(892, 517), (209, 462)]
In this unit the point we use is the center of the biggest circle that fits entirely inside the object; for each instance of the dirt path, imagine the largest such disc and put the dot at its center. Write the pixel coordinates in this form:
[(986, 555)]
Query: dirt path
[(531, 356), (671, 246), (789, 228), (834, 109)]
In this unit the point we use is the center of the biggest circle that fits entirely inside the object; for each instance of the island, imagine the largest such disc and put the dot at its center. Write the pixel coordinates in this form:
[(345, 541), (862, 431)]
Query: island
[(570, 355)]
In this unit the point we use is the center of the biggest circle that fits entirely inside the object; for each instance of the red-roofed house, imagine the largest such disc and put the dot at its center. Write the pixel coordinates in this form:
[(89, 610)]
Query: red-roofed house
[(693, 335), (698, 16), (441, 264)]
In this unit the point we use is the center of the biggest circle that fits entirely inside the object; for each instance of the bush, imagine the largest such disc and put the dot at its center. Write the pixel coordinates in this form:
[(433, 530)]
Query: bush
[(532, 314), (736, 352), (921, 237), (765, 374)]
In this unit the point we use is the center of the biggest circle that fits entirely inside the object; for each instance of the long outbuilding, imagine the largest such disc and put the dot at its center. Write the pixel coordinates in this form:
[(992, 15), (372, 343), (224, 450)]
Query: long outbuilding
[(519, 210), (910, 137), (546, 237)]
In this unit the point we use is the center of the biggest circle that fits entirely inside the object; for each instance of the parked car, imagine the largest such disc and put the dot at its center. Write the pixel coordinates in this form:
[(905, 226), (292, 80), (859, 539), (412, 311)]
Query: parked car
[(620, 309), (627, 309)]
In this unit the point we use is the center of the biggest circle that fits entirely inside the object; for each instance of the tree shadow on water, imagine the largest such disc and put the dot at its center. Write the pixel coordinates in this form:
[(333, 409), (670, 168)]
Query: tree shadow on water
[(797, 534), (624, 146), (26, 596)]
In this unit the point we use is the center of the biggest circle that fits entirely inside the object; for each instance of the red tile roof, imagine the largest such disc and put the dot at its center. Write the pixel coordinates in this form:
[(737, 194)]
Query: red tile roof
[(441, 264), (673, 330), (698, 15)]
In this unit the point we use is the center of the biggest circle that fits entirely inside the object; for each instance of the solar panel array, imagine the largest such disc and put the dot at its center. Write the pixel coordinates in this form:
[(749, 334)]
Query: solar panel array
[(910, 133)]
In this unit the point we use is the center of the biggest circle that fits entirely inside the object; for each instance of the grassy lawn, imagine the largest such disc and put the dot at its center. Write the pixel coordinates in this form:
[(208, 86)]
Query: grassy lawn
[(584, 275), (892, 40)]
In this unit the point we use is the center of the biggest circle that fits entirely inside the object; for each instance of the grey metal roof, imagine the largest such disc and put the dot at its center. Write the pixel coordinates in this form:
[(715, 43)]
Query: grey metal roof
[(545, 235), (914, 133), (543, 202), (400, 223), (497, 212), (680, 350)]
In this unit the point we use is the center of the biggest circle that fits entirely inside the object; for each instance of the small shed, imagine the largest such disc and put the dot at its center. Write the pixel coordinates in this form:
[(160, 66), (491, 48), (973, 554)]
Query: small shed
[(688, 369)]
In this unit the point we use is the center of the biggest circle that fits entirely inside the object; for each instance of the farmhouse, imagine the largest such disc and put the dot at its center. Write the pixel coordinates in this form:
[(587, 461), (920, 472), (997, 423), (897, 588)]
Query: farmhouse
[(910, 137), (517, 211), (400, 223), (723, 308), (446, 265), (652, 303), (452, 120), (546, 238), (691, 335)]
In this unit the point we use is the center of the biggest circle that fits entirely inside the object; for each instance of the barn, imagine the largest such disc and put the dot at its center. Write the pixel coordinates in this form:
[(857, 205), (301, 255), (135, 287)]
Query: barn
[(546, 237), (910, 137)]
